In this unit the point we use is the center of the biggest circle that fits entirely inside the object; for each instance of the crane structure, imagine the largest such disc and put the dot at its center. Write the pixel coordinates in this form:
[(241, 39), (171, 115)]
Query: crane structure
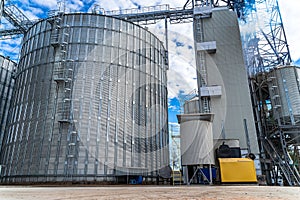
[(264, 50), (265, 47), (17, 18)]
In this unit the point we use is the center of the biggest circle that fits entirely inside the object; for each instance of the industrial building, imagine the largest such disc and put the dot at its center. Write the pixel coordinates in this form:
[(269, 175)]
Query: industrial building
[(88, 97), (225, 95)]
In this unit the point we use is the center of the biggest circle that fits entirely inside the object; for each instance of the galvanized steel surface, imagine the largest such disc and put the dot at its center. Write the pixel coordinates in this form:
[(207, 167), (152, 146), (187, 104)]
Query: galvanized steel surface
[(90, 102), (7, 68), (285, 91)]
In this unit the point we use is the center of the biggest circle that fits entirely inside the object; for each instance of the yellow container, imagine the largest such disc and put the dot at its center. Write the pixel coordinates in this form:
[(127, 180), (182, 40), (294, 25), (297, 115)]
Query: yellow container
[(234, 170)]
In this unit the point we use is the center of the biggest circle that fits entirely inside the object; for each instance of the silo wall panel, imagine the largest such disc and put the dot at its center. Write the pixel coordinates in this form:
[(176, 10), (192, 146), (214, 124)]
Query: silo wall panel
[(7, 82)]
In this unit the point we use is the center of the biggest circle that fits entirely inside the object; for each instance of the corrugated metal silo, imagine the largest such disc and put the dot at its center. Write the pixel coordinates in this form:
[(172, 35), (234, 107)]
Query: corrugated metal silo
[(285, 92), (90, 102), (7, 68)]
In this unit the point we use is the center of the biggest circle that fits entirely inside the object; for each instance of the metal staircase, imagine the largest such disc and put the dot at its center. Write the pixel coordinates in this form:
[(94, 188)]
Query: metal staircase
[(290, 173), (63, 75), (279, 152), (296, 157), (275, 95)]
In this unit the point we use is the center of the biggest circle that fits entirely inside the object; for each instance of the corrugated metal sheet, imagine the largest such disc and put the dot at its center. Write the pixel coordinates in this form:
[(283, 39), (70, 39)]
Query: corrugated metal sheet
[(90, 98), (284, 91), (7, 81)]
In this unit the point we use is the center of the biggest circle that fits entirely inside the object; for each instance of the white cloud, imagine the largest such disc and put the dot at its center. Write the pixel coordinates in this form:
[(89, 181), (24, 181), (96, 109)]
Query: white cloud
[(11, 46), (74, 5), (32, 13), (114, 5), (182, 71), (46, 3), (5, 24), (172, 107)]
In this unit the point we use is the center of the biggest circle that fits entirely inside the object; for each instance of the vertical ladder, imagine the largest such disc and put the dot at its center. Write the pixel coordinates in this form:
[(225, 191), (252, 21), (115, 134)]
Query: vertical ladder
[(63, 74), (290, 109), (284, 147), (275, 96), (202, 64)]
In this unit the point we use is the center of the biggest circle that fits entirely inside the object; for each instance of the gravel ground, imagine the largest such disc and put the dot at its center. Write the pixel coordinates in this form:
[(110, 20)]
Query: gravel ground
[(149, 192)]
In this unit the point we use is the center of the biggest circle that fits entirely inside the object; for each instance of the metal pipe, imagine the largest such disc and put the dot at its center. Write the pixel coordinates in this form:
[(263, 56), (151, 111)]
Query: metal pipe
[(210, 175), (247, 136)]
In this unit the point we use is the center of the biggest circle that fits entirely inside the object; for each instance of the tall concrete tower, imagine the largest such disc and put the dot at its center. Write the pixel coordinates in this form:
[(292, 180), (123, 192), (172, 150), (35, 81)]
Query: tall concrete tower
[(225, 101)]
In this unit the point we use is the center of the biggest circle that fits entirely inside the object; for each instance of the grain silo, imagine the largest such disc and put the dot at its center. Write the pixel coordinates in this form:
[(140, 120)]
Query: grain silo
[(7, 68), (283, 82), (90, 102)]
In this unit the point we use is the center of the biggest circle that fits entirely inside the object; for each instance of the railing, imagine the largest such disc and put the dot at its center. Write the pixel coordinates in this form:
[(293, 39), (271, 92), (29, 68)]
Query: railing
[(142, 10), (16, 17), (290, 175)]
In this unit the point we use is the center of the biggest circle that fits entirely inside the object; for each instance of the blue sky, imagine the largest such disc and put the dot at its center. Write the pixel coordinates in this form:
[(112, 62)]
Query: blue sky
[(182, 75)]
